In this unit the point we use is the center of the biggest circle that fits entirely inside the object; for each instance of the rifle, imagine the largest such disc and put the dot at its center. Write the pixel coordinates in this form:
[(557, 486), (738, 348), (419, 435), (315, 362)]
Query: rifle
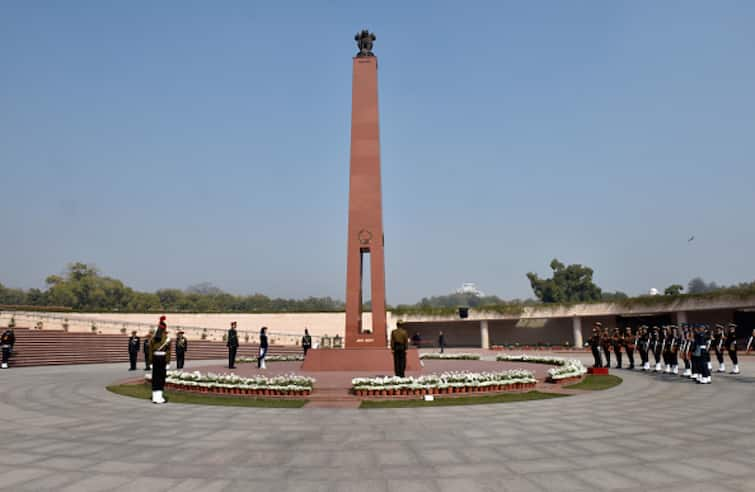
[(663, 345), (720, 342), (749, 344)]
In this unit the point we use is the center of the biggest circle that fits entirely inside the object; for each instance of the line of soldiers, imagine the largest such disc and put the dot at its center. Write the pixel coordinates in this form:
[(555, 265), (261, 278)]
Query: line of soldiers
[(667, 344)]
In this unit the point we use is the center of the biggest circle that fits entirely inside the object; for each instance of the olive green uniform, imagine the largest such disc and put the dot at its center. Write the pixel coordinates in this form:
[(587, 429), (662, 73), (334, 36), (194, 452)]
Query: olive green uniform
[(399, 344)]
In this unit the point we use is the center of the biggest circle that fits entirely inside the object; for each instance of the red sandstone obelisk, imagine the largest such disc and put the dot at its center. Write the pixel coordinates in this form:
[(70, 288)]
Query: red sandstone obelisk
[(365, 233)]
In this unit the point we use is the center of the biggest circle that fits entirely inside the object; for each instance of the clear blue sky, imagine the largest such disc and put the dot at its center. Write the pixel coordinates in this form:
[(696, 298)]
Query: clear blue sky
[(172, 143)]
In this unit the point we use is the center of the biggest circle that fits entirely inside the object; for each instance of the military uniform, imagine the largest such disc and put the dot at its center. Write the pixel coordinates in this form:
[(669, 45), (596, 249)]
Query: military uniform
[(399, 345), (263, 349), (605, 344), (731, 347), (133, 351), (147, 354), (718, 347), (594, 342), (159, 347), (702, 347), (630, 343), (618, 341), (232, 343), (684, 350), (643, 347), (182, 346), (656, 344), (306, 342), (7, 341)]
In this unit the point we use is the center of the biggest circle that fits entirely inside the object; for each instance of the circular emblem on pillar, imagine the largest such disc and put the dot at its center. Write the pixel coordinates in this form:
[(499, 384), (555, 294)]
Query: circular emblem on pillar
[(365, 236)]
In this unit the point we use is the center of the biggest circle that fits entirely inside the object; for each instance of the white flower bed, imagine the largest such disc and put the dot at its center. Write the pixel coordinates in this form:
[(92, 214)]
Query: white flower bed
[(287, 384), (449, 356), (447, 382), (568, 368), (273, 358)]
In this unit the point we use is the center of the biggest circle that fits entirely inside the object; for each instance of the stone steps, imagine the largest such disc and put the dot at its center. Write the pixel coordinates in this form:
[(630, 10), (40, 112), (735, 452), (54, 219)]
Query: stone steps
[(57, 347)]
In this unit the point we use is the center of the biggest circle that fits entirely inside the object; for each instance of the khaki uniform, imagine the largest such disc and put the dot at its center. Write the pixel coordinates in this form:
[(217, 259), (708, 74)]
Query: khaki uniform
[(399, 344)]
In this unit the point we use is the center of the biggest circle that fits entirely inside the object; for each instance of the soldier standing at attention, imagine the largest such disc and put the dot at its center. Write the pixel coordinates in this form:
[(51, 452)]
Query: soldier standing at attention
[(617, 340), (718, 343), (605, 344), (630, 342), (594, 342), (7, 340), (643, 346), (133, 350), (731, 347), (263, 349), (182, 346), (306, 342), (399, 344), (147, 354), (233, 344), (442, 342), (657, 345), (160, 349)]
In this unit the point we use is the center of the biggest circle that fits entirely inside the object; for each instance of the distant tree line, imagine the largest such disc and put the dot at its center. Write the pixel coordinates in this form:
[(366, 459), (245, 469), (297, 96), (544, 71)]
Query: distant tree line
[(83, 288)]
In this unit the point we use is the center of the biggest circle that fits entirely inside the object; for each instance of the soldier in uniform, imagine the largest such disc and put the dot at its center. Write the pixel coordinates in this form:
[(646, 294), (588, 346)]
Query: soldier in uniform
[(7, 340), (709, 339), (232, 342), (617, 341), (643, 347), (718, 347), (263, 349), (399, 345), (684, 351), (182, 346), (702, 347), (630, 342), (159, 347), (656, 346), (594, 342), (133, 350), (667, 346), (306, 342), (605, 343), (731, 347), (147, 354), (674, 350)]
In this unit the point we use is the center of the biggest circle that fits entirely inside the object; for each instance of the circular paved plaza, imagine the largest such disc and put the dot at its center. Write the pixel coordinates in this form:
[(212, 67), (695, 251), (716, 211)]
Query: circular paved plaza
[(61, 430)]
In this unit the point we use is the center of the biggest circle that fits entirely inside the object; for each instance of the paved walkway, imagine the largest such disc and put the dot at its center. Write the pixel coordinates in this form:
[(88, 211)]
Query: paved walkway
[(62, 431)]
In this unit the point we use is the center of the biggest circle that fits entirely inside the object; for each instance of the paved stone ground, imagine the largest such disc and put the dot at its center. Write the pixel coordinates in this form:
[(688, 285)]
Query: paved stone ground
[(61, 430)]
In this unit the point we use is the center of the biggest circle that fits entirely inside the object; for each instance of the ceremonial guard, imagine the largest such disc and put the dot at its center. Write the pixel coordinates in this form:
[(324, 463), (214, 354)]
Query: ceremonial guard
[(147, 354), (399, 344), (731, 347), (618, 341), (709, 338), (232, 342), (702, 347), (666, 347), (630, 342), (306, 342), (644, 347), (133, 350), (182, 346), (674, 350), (684, 349), (656, 342), (7, 340), (718, 347), (594, 342), (442, 342), (160, 350), (605, 343), (263, 349)]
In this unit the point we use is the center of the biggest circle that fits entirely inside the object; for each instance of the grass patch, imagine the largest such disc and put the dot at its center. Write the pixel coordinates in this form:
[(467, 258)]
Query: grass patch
[(464, 400), (144, 392), (594, 383)]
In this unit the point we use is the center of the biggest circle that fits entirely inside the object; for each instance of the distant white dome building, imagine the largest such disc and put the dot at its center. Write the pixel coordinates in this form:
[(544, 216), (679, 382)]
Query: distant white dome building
[(653, 292), (470, 288)]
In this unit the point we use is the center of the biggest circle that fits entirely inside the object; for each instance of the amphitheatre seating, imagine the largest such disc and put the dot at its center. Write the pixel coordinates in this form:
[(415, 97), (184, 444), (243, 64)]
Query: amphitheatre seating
[(57, 347)]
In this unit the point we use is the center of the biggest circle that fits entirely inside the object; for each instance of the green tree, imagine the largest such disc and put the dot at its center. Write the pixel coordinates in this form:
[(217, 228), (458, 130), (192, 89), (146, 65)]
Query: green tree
[(571, 283), (673, 290), (698, 286)]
